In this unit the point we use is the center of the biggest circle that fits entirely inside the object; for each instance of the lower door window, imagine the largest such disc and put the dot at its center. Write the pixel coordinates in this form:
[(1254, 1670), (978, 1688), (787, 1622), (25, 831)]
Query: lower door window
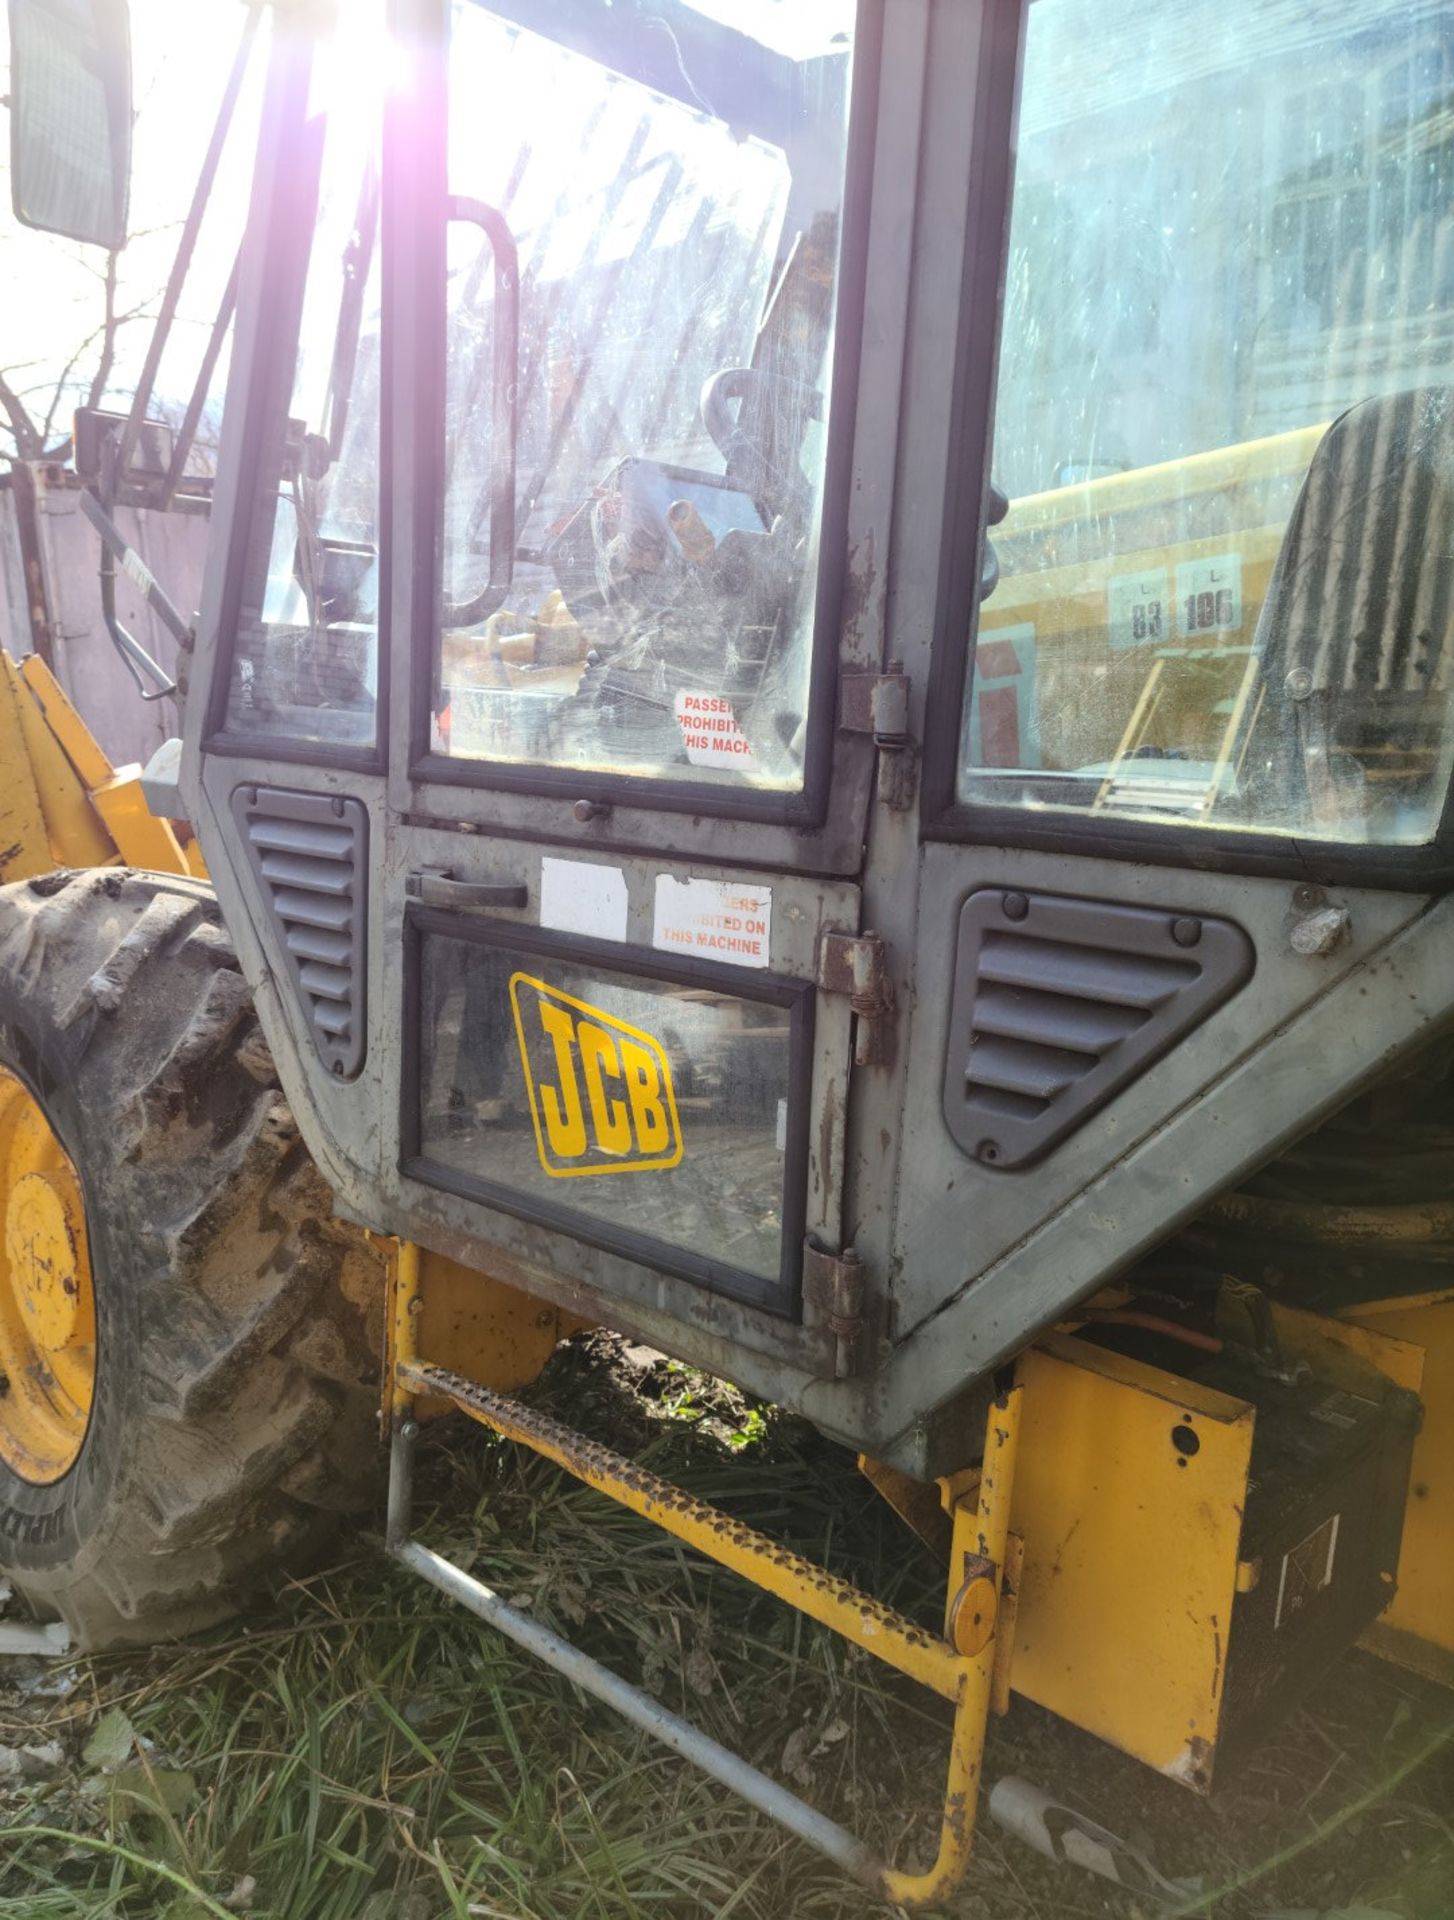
[(658, 1115)]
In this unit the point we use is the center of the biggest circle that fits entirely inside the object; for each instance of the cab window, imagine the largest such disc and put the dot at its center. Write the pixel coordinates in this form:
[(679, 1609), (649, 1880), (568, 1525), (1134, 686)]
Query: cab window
[(658, 257), (1225, 424)]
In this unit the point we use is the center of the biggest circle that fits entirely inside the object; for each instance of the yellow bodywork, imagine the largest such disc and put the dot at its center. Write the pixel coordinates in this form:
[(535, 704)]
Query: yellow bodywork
[(494, 1335), (1124, 1559), (62, 803), (47, 1301), (1131, 1560)]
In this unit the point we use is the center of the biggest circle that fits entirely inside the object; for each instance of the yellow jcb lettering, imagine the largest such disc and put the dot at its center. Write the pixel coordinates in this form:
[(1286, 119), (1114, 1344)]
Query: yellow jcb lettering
[(608, 1117), (564, 1121), (643, 1090)]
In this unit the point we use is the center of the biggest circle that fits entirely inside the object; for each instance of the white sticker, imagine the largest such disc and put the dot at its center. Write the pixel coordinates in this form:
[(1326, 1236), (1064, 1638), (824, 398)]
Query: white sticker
[(782, 1126), (1306, 1569), (1139, 608), (579, 897), (710, 732), (1209, 596), (727, 920), (135, 568)]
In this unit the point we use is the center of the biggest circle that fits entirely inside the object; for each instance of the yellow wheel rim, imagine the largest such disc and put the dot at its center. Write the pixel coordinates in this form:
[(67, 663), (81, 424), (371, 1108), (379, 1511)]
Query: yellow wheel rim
[(47, 1301)]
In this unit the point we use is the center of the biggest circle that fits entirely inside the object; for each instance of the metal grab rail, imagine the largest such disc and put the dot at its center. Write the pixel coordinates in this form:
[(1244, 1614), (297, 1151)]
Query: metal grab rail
[(747, 1781), (966, 1677)]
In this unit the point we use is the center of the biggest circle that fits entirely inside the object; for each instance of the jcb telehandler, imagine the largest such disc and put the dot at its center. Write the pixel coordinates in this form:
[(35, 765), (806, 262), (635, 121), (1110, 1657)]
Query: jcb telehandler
[(821, 730)]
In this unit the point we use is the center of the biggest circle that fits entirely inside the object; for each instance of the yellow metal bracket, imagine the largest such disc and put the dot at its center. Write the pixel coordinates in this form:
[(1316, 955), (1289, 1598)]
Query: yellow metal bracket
[(494, 1334), (961, 1666)]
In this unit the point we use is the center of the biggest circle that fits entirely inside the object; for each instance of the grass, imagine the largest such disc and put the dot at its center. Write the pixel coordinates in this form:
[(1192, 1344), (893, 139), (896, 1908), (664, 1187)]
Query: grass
[(363, 1751)]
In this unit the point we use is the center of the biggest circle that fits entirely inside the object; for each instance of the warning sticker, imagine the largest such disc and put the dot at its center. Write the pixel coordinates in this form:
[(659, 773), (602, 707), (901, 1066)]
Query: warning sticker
[(710, 732), (1209, 595), (1138, 608), (1306, 1569), (727, 920)]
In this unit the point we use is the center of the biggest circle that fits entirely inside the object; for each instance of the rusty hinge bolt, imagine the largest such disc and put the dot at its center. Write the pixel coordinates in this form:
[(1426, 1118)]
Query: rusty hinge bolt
[(877, 703), (857, 965), (871, 998), (866, 966), (889, 709), (833, 1284)]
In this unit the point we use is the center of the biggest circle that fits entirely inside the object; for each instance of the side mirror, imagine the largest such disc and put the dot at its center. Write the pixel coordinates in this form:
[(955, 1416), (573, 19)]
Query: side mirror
[(70, 117)]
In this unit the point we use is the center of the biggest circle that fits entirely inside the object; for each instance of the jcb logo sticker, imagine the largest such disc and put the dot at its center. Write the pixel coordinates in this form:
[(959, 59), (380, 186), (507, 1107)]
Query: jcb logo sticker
[(600, 1091)]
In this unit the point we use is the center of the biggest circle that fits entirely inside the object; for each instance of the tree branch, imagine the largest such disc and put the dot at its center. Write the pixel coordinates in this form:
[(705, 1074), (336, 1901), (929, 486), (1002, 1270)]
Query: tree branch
[(108, 336), (28, 443), (107, 333)]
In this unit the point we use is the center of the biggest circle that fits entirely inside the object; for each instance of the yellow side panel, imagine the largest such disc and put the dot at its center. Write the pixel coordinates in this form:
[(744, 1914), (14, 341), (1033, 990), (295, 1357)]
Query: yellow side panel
[(78, 743), (1131, 1549), (494, 1335), (78, 836), (24, 842), (143, 840), (1418, 1628), (1338, 1350)]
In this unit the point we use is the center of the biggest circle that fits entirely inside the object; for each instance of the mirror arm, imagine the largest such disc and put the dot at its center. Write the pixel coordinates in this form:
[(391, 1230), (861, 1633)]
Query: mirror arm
[(161, 332), (134, 656), (187, 432), (137, 661), (357, 264)]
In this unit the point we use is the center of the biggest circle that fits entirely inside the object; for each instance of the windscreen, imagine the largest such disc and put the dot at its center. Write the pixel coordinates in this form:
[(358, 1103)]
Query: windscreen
[(659, 198)]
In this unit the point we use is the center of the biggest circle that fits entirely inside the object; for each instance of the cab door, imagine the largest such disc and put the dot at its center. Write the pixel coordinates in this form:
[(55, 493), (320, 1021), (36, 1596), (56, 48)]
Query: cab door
[(1186, 802), (540, 731), (612, 856)]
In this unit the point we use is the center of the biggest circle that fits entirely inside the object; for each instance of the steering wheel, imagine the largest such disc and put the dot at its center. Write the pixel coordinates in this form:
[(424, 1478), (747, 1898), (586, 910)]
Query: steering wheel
[(996, 507)]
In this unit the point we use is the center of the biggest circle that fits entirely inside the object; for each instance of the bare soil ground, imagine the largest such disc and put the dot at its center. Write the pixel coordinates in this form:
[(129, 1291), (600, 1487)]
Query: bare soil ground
[(364, 1751)]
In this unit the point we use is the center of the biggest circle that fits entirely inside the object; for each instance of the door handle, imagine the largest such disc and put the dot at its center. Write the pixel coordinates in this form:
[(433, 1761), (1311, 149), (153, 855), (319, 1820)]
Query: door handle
[(441, 889), (493, 224)]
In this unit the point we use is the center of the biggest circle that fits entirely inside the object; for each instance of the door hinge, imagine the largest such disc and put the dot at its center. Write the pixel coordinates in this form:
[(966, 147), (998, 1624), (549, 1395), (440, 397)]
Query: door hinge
[(878, 704), (833, 1298), (857, 964)]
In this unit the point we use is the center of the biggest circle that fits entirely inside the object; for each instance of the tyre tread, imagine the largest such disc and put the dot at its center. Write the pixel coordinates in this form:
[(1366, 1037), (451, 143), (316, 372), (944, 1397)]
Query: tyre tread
[(255, 1385)]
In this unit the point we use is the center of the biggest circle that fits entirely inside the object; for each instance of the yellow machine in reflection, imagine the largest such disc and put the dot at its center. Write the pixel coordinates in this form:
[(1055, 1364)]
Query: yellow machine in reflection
[(1123, 628)]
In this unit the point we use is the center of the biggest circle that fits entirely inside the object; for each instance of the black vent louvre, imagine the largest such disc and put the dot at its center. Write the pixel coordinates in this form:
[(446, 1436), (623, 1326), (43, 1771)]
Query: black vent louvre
[(1060, 1003), (309, 853)]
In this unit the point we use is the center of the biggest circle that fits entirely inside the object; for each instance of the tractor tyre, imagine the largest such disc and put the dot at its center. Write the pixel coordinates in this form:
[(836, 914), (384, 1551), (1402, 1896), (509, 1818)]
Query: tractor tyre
[(194, 1426)]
